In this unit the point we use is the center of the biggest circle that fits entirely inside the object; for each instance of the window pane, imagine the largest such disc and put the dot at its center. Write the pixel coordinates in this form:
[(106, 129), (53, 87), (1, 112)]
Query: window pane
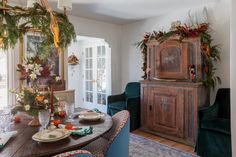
[(89, 74), (101, 99), (101, 63), (99, 51), (3, 80), (89, 86), (103, 51), (89, 97)]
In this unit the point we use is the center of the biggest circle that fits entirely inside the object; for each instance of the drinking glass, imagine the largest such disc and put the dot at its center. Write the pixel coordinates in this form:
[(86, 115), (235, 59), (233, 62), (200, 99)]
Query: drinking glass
[(5, 119), (70, 108), (44, 117)]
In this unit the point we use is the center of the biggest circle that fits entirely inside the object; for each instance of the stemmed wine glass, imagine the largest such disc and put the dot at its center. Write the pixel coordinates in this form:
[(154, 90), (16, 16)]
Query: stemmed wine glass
[(5, 119), (44, 117), (70, 108)]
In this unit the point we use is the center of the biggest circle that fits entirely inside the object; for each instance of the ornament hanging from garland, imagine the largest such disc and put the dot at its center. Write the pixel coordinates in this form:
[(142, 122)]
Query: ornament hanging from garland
[(210, 52), (54, 27)]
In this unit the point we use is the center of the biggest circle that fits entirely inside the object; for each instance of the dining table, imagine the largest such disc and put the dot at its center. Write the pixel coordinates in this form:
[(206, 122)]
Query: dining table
[(22, 145)]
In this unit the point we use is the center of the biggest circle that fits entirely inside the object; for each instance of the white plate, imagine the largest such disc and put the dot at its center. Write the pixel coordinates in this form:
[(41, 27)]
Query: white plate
[(91, 116), (51, 135)]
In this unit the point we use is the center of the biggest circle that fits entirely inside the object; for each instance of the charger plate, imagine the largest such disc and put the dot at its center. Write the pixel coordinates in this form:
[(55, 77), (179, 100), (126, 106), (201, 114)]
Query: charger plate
[(51, 135)]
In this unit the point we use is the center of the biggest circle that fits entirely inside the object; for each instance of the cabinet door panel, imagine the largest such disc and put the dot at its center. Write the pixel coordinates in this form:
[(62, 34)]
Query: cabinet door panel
[(165, 106), (167, 110)]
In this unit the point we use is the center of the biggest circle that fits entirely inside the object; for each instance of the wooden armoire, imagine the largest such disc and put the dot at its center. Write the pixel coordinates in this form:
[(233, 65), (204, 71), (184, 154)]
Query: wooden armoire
[(169, 98)]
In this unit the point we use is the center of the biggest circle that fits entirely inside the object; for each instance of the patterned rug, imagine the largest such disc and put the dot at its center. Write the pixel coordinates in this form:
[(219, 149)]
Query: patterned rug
[(142, 147)]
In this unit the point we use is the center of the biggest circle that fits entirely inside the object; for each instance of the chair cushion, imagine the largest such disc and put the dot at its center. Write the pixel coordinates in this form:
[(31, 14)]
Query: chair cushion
[(218, 124), (132, 89), (119, 105), (98, 147)]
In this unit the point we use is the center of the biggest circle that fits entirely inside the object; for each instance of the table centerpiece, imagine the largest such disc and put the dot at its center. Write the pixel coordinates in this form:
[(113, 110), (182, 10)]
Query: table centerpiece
[(31, 98)]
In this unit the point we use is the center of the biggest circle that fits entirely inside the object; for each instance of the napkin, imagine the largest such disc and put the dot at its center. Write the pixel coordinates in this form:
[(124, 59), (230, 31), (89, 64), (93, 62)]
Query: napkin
[(82, 131), (4, 137), (96, 110)]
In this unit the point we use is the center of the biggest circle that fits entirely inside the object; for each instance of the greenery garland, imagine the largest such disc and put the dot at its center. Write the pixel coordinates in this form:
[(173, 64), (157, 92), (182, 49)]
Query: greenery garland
[(19, 21), (210, 52)]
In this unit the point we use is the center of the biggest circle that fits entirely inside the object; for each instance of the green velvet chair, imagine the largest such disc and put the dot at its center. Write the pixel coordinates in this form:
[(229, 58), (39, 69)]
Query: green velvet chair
[(214, 135), (129, 100)]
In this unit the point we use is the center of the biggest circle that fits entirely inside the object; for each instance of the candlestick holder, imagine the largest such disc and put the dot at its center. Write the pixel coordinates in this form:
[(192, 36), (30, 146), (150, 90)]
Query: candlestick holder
[(51, 124)]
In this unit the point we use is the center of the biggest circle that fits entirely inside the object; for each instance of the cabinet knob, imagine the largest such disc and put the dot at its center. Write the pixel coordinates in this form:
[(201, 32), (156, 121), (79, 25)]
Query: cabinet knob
[(150, 107)]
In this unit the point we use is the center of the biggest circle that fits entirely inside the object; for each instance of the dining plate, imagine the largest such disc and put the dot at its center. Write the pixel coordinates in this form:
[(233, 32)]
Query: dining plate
[(51, 135), (91, 116)]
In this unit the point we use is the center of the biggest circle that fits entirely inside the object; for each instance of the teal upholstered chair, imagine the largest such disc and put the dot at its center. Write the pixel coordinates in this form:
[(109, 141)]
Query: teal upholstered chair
[(129, 100), (214, 136), (115, 143), (75, 153)]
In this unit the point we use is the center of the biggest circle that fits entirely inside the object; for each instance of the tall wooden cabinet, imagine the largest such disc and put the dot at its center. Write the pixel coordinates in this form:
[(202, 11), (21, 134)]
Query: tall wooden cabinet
[(169, 107)]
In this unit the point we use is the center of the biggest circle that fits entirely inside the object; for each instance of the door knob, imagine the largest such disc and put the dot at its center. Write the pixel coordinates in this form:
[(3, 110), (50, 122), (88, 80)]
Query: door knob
[(94, 81)]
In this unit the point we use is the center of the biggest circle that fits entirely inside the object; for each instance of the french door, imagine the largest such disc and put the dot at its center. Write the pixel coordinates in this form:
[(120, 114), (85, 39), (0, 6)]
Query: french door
[(96, 77)]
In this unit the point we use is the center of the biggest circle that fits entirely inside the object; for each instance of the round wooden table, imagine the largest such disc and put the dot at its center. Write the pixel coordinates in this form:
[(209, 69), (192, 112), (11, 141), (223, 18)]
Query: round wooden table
[(23, 146)]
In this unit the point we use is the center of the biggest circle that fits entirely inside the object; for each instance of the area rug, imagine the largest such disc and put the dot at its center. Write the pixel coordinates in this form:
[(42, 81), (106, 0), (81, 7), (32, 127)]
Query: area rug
[(143, 147)]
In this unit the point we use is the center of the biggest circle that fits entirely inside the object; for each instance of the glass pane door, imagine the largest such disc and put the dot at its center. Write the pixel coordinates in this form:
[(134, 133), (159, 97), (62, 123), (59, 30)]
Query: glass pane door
[(96, 77), (89, 79), (101, 75)]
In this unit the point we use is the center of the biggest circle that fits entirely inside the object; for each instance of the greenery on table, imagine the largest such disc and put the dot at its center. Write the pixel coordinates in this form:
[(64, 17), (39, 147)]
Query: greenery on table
[(32, 101), (210, 52)]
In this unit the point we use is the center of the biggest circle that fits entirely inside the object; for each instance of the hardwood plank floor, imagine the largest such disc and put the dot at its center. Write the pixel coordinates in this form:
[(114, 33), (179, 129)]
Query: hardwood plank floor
[(165, 141)]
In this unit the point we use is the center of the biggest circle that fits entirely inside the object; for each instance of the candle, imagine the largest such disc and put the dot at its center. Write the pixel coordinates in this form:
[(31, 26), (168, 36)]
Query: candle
[(52, 109)]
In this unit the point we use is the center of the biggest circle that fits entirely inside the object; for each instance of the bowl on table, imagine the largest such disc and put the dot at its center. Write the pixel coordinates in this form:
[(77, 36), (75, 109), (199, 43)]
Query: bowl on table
[(91, 116)]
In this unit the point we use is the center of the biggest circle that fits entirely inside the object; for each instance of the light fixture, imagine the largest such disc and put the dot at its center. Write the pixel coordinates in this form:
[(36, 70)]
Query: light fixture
[(30, 3), (64, 5)]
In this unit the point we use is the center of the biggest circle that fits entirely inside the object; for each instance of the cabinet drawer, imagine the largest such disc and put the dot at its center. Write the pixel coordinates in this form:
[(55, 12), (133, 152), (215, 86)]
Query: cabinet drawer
[(166, 107)]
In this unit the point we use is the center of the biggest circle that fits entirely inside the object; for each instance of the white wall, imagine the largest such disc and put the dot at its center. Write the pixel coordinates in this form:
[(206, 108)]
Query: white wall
[(233, 75), (218, 18), (74, 73), (112, 35)]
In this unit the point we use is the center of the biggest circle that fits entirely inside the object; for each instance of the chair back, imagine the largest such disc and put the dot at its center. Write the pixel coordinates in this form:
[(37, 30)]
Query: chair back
[(223, 101), (118, 136), (75, 153), (132, 89)]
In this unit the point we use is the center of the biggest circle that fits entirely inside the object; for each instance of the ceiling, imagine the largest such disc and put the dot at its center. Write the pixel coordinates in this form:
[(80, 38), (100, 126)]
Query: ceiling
[(125, 11)]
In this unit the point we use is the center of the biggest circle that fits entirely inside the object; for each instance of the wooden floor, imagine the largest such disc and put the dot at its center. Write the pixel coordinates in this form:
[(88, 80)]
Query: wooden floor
[(165, 141)]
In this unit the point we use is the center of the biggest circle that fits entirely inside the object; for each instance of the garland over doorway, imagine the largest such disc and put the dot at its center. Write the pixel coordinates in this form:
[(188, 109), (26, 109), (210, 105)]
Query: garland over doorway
[(210, 52), (54, 27)]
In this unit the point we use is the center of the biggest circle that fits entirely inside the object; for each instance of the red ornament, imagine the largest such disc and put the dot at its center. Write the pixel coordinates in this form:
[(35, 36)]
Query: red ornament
[(69, 126), (17, 119), (62, 113), (56, 122)]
